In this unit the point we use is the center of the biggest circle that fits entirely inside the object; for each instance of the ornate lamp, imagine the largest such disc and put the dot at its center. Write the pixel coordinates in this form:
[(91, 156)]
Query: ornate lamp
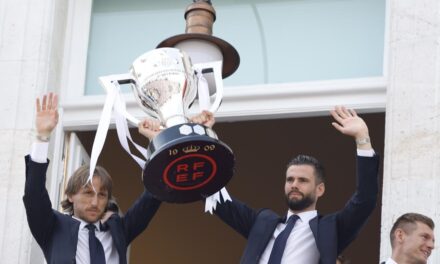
[(198, 41)]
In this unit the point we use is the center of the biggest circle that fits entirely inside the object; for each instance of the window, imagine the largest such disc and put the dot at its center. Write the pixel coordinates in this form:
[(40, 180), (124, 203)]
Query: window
[(281, 41)]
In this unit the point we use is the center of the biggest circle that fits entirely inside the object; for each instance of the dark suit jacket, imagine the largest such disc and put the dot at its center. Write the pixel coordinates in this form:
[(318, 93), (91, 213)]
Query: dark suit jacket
[(57, 233), (332, 233)]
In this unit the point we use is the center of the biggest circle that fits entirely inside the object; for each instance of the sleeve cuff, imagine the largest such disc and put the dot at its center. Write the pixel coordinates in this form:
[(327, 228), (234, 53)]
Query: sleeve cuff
[(39, 152), (365, 152)]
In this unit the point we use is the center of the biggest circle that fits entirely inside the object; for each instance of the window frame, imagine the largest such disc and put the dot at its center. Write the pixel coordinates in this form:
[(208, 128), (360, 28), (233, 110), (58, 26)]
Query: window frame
[(246, 102)]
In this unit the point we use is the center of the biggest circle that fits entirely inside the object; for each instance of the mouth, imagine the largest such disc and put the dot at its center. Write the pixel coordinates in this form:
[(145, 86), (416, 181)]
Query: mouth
[(294, 193), (92, 211), (426, 253)]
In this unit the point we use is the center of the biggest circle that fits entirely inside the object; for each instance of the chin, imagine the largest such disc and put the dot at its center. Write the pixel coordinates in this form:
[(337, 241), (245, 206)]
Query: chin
[(93, 219)]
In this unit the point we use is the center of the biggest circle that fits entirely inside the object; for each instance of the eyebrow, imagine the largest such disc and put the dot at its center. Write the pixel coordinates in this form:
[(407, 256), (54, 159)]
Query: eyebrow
[(298, 177), (429, 235)]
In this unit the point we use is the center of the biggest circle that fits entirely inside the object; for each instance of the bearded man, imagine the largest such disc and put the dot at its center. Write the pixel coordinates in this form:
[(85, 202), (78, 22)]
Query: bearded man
[(302, 235)]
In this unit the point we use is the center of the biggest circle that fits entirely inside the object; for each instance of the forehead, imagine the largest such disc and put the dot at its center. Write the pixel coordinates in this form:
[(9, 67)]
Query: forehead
[(424, 228), (97, 183), (302, 170)]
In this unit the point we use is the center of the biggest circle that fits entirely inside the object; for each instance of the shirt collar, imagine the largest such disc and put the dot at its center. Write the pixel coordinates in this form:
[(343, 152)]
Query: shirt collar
[(84, 223), (304, 216), (390, 261)]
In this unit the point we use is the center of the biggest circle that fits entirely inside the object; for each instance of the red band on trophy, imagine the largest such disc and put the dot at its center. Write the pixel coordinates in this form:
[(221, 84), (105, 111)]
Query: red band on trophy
[(190, 172)]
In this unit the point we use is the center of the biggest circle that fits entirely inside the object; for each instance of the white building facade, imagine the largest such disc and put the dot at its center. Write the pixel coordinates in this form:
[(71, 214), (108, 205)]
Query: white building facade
[(62, 46)]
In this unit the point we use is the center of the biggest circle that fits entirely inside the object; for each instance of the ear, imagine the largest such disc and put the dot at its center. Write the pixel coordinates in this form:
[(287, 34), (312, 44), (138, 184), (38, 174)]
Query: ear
[(69, 197), (399, 235), (320, 189)]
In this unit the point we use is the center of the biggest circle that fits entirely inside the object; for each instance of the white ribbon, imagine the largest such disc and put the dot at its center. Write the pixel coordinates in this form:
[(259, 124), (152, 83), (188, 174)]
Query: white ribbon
[(205, 104), (114, 100), (211, 201), (101, 132), (203, 91), (123, 131)]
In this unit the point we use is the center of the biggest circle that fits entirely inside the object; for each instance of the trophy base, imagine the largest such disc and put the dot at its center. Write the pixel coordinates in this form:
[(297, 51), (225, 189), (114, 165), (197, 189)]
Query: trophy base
[(187, 163)]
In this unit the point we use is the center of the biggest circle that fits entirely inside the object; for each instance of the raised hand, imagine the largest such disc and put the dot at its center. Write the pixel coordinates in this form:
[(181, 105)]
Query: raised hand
[(205, 118), (149, 128), (349, 123), (47, 114)]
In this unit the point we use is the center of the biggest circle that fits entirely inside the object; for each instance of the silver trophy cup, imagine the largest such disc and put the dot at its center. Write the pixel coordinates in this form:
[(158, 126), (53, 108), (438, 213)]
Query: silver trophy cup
[(185, 161)]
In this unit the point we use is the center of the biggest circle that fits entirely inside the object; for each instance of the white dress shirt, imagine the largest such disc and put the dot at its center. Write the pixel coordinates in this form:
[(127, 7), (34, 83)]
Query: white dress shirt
[(390, 261), (82, 248), (39, 154), (301, 245)]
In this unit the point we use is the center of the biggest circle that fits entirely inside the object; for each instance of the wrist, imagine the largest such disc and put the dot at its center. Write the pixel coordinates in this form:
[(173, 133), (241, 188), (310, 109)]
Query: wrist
[(362, 141), (43, 137)]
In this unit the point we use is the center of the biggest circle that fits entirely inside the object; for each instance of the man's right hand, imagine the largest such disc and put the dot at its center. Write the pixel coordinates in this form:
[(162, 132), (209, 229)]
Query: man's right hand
[(205, 118), (149, 128), (349, 123), (47, 114)]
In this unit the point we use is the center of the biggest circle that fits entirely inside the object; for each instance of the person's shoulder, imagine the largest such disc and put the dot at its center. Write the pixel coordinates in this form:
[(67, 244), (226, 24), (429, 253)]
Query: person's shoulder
[(321, 217), (64, 219), (267, 213)]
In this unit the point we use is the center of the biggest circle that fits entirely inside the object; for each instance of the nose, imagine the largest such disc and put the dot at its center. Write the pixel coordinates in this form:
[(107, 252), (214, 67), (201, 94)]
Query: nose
[(294, 185), (95, 199), (431, 244)]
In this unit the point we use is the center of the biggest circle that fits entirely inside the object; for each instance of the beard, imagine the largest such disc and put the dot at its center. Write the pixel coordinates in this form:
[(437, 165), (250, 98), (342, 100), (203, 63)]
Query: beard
[(300, 204)]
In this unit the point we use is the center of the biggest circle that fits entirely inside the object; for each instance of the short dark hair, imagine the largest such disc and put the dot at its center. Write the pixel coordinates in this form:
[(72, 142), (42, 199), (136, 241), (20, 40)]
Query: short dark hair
[(79, 179), (407, 222), (309, 160), (343, 260)]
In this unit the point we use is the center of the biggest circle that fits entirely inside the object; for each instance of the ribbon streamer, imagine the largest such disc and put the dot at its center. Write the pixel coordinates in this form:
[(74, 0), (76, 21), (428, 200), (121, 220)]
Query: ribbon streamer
[(212, 201), (101, 132), (115, 101), (123, 131), (203, 91)]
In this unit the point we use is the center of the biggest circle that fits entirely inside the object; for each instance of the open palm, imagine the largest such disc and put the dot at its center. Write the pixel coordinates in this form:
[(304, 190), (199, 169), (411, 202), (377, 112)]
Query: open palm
[(47, 114), (349, 123)]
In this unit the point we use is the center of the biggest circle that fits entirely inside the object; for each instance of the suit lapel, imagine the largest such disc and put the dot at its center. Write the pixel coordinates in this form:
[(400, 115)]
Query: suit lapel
[(269, 228), (74, 229), (116, 237), (314, 226)]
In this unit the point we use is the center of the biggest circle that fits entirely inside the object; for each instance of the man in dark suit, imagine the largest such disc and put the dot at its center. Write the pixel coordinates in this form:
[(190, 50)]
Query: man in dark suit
[(412, 239), (303, 236), (312, 238), (79, 236)]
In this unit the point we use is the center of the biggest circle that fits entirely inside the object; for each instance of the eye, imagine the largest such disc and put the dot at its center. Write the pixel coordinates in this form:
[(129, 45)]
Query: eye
[(426, 237), (88, 192)]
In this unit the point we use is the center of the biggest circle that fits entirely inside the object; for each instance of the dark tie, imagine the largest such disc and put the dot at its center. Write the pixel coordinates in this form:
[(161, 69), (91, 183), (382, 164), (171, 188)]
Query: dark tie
[(97, 255), (280, 241)]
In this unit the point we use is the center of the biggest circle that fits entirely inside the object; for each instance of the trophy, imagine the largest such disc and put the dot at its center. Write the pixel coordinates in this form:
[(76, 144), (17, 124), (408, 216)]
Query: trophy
[(185, 162)]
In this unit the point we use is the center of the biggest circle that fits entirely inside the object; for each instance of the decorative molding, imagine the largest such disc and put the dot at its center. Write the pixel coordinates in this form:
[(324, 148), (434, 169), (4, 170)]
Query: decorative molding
[(253, 102), (75, 48)]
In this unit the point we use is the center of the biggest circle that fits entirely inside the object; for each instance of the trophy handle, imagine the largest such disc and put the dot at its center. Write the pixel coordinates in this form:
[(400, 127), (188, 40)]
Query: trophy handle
[(107, 83), (203, 91)]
